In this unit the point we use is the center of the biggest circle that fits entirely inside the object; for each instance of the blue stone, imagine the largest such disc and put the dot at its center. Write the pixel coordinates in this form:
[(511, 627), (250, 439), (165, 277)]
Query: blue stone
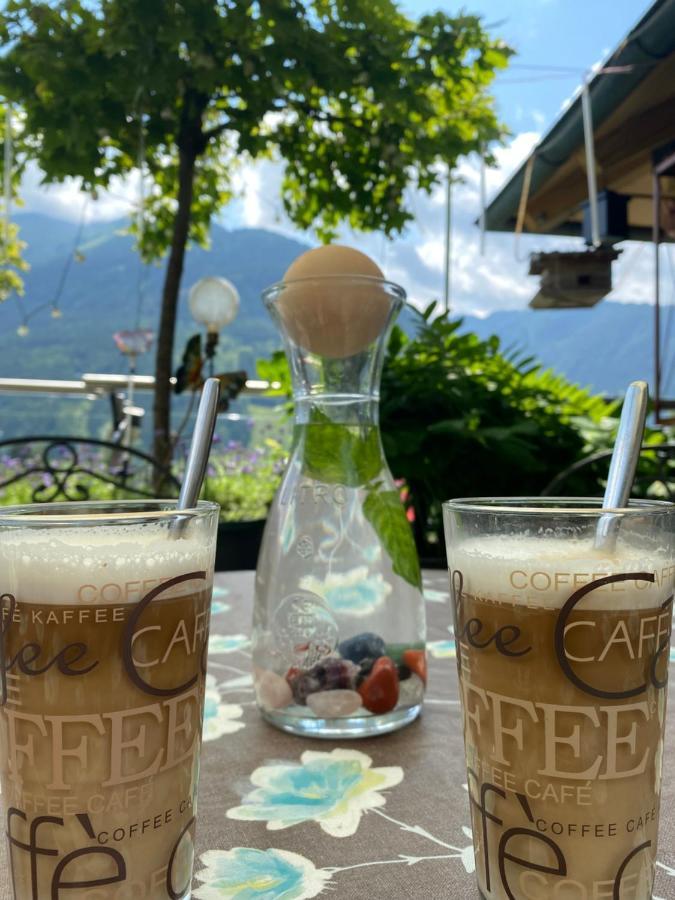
[(362, 646)]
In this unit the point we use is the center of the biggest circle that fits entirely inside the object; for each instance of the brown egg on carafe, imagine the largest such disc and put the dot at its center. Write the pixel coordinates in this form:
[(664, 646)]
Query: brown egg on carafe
[(333, 302)]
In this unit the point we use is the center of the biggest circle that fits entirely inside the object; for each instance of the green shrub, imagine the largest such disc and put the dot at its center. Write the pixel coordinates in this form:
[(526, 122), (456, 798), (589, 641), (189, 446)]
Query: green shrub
[(460, 418), (243, 480)]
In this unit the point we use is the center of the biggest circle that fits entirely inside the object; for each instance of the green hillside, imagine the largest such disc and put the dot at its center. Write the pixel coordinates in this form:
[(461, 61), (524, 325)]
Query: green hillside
[(603, 348), (101, 296)]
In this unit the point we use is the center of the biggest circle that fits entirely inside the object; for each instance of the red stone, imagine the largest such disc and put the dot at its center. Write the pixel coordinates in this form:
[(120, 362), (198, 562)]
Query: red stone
[(292, 674), (379, 691), (416, 661)]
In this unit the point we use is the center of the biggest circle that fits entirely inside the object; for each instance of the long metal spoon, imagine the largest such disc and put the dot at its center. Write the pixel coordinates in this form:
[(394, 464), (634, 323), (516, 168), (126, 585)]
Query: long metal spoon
[(198, 456), (623, 463)]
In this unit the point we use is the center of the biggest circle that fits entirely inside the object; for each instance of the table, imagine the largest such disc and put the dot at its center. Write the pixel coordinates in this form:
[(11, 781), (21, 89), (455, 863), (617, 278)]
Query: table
[(404, 833)]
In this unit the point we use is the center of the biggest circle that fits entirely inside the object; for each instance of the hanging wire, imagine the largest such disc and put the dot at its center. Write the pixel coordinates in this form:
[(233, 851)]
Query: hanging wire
[(554, 72), (56, 311), (25, 315), (544, 67), (140, 215), (531, 79), (447, 243), (22, 330)]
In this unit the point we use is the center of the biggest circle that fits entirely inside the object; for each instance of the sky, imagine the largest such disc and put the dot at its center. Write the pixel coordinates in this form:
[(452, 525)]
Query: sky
[(545, 33)]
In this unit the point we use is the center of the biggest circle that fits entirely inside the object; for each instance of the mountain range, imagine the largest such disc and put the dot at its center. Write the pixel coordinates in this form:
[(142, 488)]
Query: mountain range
[(603, 348), (109, 290)]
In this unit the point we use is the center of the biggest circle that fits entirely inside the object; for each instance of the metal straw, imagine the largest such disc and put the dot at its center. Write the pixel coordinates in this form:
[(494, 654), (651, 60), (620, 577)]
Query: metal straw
[(623, 463), (200, 446)]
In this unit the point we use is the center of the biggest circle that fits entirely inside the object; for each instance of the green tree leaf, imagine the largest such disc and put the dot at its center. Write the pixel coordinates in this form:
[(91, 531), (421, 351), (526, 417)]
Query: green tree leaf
[(359, 102)]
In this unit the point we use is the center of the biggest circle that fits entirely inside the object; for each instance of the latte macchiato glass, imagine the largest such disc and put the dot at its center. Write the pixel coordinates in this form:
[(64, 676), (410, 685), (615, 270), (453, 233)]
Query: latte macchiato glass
[(562, 653), (104, 612)]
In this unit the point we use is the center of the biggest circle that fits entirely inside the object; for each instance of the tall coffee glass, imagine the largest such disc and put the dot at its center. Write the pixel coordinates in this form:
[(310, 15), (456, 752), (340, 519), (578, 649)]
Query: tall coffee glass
[(105, 618), (562, 652)]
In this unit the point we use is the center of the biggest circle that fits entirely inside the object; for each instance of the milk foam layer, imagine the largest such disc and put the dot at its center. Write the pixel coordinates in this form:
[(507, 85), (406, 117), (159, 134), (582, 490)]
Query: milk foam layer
[(546, 571), (100, 565)]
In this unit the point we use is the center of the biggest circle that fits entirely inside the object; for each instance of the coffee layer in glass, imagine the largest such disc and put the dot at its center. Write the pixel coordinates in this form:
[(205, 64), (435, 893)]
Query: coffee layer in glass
[(562, 654), (104, 628)]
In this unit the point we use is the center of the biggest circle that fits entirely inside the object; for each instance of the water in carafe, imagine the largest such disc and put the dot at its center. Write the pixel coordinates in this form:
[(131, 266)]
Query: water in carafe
[(339, 624)]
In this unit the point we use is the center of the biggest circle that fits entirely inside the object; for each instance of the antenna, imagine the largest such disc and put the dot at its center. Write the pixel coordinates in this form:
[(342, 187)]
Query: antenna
[(448, 242)]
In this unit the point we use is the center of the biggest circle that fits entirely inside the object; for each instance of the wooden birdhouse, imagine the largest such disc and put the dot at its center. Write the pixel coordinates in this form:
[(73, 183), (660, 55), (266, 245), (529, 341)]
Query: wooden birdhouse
[(572, 279)]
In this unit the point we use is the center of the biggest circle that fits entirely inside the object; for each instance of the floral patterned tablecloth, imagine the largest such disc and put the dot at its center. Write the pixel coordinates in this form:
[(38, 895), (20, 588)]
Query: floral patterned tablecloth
[(291, 818)]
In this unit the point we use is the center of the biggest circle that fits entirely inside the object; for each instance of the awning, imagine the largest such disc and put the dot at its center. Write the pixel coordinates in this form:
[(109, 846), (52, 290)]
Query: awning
[(633, 108)]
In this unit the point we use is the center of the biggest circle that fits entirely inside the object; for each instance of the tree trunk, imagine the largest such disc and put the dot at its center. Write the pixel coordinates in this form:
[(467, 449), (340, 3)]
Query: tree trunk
[(162, 449)]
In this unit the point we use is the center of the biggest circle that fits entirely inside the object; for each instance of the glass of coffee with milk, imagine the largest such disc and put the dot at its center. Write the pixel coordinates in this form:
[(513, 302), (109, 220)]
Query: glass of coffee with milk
[(104, 613), (562, 644)]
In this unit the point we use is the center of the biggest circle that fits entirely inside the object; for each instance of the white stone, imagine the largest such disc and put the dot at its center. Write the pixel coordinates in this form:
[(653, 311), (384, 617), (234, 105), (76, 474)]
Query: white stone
[(411, 691), (272, 691), (334, 704)]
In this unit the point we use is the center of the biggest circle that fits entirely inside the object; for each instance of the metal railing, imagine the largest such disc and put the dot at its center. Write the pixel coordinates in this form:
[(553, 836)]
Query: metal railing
[(94, 385)]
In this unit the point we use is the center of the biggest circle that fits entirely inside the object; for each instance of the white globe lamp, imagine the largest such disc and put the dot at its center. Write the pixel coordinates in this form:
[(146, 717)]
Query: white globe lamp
[(214, 302)]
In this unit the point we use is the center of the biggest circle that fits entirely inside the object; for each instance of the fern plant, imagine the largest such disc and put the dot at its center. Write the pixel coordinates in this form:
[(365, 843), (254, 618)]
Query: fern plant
[(462, 417)]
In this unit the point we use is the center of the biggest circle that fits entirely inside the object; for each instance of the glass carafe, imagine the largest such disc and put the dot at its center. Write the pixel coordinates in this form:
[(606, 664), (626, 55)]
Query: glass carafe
[(339, 621)]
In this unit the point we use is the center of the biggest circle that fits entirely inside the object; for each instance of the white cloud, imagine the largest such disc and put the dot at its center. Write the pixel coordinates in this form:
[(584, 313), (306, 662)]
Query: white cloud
[(259, 204), (633, 274), (538, 118), (65, 200), (252, 211), (479, 284), (432, 253)]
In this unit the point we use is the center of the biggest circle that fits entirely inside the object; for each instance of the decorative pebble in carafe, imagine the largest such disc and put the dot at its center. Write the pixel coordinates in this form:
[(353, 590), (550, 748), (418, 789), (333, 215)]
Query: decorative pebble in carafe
[(339, 622)]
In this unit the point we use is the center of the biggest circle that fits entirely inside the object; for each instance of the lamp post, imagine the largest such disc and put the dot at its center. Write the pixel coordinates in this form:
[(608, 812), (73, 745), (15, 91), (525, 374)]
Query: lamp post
[(132, 344), (214, 303)]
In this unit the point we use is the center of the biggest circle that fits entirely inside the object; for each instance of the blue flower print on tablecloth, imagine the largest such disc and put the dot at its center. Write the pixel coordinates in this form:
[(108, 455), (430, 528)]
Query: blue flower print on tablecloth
[(227, 643), (219, 718), (245, 873), (445, 649), (333, 789), (442, 649), (219, 606), (353, 593)]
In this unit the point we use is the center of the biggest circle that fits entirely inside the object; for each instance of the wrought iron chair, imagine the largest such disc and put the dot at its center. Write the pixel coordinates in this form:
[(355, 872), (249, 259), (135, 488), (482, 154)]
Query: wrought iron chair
[(74, 468), (655, 475)]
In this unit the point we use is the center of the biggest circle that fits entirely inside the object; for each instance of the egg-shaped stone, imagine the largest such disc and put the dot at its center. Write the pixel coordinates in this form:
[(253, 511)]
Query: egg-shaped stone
[(334, 302)]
